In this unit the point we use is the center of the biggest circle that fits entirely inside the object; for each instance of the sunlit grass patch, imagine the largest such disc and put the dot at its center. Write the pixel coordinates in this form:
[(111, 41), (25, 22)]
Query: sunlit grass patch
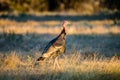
[(11, 61)]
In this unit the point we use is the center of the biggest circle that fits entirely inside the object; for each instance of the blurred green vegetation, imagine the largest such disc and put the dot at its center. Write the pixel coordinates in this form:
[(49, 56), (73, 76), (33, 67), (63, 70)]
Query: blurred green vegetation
[(58, 5)]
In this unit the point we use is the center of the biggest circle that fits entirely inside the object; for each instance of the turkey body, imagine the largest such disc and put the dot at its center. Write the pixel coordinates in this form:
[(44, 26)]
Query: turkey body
[(55, 47)]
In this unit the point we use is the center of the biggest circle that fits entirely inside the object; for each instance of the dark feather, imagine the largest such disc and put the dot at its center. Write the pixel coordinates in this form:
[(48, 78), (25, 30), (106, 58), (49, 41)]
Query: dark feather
[(55, 47), (40, 58)]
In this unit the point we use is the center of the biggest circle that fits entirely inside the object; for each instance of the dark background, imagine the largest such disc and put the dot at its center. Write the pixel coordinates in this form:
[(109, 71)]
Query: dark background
[(58, 5)]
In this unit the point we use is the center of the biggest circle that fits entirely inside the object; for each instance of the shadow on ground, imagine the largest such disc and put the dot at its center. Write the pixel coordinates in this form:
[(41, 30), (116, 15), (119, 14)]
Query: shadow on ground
[(27, 17), (108, 44)]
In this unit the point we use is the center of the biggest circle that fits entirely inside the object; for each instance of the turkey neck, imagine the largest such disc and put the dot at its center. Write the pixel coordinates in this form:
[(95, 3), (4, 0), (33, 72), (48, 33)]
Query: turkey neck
[(62, 34)]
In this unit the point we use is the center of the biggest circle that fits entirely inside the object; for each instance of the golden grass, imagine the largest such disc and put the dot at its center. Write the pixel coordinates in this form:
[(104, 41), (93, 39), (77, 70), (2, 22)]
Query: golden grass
[(53, 27), (73, 67)]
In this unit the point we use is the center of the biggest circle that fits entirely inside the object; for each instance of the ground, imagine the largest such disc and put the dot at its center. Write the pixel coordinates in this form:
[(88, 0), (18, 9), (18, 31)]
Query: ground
[(93, 46)]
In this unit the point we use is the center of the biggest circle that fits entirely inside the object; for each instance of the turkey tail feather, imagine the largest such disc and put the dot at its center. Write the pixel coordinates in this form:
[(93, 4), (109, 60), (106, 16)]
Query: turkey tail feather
[(40, 58)]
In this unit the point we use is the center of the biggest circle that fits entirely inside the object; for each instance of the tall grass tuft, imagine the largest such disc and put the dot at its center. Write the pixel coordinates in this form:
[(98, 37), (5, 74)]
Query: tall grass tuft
[(11, 61)]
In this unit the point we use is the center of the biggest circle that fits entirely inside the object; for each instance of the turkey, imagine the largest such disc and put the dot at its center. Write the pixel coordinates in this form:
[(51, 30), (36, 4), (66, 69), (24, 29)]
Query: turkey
[(55, 47)]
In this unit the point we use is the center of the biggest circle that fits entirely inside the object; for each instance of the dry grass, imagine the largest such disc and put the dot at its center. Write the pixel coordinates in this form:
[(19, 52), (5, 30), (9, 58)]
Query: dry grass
[(73, 67), (21, 42), (53, 27)]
